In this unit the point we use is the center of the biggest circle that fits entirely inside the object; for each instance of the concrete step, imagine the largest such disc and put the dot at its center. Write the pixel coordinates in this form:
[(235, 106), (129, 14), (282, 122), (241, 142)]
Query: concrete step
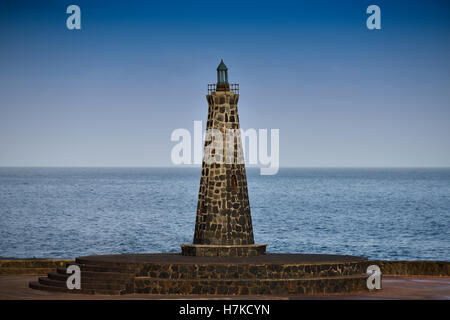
[(52, 282), (63, 277), (38, 286), (84, 285), (102, 268), (57, 276), (95, 262), (99, 275)]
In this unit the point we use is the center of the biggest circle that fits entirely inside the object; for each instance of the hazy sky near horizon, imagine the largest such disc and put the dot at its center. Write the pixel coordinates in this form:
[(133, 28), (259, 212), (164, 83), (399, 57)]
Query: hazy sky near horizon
[(111, 93)]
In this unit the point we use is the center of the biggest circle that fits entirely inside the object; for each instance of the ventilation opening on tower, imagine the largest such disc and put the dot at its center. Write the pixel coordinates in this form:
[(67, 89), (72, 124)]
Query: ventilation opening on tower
[(233, 181)]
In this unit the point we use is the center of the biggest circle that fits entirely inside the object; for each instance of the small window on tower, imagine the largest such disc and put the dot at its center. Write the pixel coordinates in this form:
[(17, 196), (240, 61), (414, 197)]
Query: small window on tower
[(202, 207), (233, 181)]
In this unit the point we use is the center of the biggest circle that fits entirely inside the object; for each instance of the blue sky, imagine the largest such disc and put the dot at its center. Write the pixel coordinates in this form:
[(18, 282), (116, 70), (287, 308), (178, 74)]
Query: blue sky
[(111, 93)]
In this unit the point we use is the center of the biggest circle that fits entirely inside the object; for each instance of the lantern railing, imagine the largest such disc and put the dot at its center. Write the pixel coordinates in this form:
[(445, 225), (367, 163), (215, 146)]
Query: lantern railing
[(212, 87)]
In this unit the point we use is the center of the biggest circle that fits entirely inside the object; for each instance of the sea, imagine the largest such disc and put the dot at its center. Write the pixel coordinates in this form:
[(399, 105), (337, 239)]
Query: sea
[(393, 214)]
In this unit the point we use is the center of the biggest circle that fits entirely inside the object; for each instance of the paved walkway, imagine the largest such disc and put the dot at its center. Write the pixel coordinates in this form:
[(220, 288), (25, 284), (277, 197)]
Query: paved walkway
[(16, 287)]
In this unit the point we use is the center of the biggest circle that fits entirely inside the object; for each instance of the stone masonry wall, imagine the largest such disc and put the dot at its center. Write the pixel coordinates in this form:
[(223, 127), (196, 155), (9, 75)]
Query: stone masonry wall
[(223, 210)]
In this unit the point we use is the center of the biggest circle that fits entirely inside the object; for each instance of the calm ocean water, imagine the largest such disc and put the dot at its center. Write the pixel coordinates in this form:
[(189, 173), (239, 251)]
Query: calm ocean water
[(378, 213)]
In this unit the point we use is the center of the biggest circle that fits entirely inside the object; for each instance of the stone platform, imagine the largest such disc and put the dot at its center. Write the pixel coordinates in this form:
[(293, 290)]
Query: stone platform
[(205, 250), (271, 274)]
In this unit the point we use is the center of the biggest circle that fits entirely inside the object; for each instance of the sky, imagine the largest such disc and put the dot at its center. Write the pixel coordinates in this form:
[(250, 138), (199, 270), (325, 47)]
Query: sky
[(111, 93)]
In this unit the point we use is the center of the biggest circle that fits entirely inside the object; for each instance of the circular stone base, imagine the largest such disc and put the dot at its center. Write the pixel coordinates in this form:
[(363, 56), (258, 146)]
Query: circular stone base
[(141, 259), (204, 250), (270, 274)]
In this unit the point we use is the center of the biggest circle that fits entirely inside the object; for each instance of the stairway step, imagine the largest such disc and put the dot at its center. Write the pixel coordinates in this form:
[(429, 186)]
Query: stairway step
[(99, 275), (51, 282), (63, 277), (58, 276), (61, 270), (84, 285), (87, 261), (38, 286), (102, 268)]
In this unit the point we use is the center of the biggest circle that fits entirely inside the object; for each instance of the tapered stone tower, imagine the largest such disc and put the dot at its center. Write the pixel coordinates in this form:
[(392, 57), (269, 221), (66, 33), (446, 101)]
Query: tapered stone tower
[(223, 225)]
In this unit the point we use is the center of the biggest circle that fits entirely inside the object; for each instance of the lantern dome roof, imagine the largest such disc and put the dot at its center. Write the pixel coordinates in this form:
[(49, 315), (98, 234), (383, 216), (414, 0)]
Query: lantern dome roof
[(222, 66)]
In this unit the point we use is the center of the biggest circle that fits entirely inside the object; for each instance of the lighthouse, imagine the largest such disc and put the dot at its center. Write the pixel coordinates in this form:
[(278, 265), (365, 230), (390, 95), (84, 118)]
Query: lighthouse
[(223, 258), (223, 225)]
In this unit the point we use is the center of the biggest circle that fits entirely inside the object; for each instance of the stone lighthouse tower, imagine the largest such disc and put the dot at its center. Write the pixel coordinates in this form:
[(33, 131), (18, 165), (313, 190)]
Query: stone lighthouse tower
[(223, 225)]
